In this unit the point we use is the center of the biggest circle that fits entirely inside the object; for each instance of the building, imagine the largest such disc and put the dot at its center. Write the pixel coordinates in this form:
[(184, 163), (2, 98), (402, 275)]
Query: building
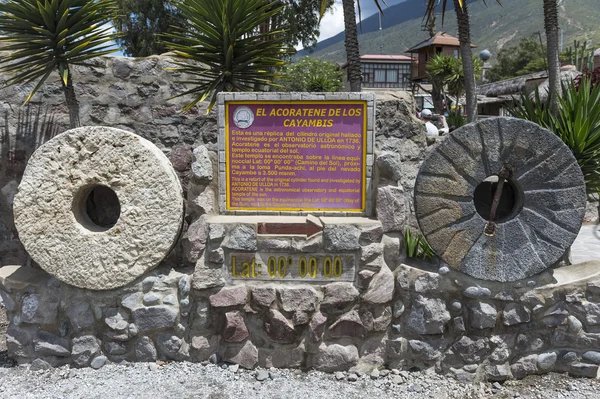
[(440, 43), (386, 71)]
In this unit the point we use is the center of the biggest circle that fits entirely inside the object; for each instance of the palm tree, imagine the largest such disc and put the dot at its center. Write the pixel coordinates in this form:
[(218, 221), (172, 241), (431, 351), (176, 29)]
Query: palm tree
[(44, 36), (353, 67), (228, 46), (551, 28)]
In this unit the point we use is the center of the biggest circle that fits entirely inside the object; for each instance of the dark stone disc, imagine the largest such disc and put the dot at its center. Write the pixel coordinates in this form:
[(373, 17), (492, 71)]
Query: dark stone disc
[(540, 212)]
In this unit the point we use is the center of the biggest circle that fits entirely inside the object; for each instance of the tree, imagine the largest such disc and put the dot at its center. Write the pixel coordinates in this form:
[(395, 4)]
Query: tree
[(52, 35), (552, 43), (447, 76), (314, 75), (525, 58), (143, 23), (464, 37), (353, 67), (225, 48), (140, 22)]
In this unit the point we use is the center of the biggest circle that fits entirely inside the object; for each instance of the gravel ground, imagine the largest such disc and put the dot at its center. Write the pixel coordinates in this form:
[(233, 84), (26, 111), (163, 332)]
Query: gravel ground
[(188, 380)]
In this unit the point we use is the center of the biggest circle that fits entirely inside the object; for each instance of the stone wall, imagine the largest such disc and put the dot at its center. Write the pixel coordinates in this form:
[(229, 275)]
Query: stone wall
[(397, 313)]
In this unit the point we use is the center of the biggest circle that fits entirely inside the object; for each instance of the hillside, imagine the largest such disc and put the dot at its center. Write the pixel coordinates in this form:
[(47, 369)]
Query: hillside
[(492, 27)]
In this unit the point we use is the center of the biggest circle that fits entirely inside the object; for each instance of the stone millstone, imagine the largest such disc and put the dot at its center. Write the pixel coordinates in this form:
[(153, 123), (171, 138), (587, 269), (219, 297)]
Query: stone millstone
[(52, 207), (549, 200)]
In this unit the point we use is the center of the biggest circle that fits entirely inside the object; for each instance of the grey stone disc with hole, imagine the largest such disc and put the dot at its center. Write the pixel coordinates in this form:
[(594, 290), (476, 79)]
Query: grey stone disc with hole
[(51, 211), (549, 206)]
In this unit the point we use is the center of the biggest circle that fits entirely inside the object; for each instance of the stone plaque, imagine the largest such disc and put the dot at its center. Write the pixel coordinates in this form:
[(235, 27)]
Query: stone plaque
[(539, 212), (278, 266), (296, 155)]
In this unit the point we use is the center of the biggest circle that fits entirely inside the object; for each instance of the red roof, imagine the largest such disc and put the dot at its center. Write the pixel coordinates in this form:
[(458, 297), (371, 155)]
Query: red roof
[(440, 38), (384, 57)]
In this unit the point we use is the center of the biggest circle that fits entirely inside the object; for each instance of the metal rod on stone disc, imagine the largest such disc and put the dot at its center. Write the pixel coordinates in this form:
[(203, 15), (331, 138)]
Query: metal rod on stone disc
[(490, 226)]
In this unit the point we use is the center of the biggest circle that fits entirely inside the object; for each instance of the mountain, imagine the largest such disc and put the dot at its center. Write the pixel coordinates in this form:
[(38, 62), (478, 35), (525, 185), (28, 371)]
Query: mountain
[(492, 27)]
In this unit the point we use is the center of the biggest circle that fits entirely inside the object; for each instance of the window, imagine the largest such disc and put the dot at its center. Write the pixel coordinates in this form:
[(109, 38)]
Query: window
[(392, 76), (455, 53), (380, 75), (366, 77)]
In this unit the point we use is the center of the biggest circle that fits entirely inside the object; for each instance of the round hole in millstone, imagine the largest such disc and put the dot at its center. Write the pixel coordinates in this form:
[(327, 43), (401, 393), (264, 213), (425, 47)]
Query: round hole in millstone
[(509, 204), (97, 208)]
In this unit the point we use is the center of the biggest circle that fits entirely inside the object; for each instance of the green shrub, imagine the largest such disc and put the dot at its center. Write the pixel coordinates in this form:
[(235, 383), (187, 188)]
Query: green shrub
[(313, 75), (577, 123), (416, 246)]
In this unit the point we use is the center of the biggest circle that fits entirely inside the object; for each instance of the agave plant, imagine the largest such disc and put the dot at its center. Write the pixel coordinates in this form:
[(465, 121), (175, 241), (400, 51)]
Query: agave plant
[(416, 246), (229, 46), (44, 36), (577, 123)]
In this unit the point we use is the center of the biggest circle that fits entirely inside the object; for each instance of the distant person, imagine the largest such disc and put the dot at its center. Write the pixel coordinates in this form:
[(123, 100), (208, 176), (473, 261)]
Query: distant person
[(427, 117)]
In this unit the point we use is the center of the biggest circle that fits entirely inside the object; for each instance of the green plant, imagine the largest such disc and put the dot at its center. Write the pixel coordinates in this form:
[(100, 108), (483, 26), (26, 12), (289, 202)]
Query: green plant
[(52, 35), (416, 246), (456, 118), (312, 74), (229, 48), (448, 70), (577, 123)]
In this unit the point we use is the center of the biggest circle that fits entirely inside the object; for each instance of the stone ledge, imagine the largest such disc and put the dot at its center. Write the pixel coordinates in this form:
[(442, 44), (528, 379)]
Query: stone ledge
[(20, 277)]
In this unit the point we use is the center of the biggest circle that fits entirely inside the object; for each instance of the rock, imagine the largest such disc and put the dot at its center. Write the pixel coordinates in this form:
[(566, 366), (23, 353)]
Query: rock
[(477, 292), (375, 374), (456, 306), (245, 355), (145, 351), (341, 238), (115, 348), (80, 315), (426, 283), (264, 296), (155, 317), (39, 364), (202, 313), (241, 238), (181, 157), (398, 308), (524, 366), (584, 370), (592, 356), (116, 319), (83, 349), (339, 294), (546, 361), (169, 345), (423, 350), (193, 241), (262, 375), (204, 348), (592, 313), (317, 326), (202, 167), (38, 309), (229, 297), (348, 325), (444, 270), (456, 167), (515, 314), (88, 242), (278, 328), (352, 377), (483, 315), (497, 372), (428, 316), (47, 344), (98, 362), (389, 165), (334, 357), (364, 278), (300, 318), (458, 324), (122, 68), (472, 351), (216, 256), (575, 326), (235, 328), (391, 208), (381, 289), (170, 299), (371, 234), (370, 252), (339, 375), (285, 357), (207, 276), (393, 249), (234, 368), (382, 318), (298, 298)]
